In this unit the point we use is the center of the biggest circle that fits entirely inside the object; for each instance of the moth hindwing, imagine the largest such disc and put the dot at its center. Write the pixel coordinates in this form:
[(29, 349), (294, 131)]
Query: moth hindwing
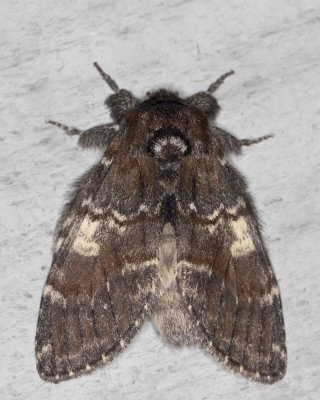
[(162, 226)]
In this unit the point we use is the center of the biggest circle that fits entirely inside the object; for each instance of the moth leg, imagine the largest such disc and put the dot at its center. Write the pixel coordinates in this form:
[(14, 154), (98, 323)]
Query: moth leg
[(231, 144), (69, 130), (97, 137), (249, 142)]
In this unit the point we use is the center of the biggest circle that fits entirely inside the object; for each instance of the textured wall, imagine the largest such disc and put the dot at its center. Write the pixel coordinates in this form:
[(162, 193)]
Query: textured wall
[(47, 50)]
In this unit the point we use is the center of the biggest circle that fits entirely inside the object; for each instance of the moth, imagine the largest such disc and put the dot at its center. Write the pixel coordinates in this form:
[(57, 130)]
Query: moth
[(162, 227)]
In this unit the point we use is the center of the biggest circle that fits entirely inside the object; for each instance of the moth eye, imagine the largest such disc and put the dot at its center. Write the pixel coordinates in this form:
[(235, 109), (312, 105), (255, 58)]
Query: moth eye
[(168, 145)]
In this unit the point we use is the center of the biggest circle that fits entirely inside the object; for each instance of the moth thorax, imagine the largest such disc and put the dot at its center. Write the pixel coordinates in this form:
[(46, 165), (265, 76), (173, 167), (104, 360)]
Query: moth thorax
[(169, 145)]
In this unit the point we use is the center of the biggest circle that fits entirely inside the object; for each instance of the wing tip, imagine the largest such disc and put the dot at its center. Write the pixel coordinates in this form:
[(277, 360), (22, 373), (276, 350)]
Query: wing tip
[(54, 376), (47, 369), (71, 374), (271, 376)]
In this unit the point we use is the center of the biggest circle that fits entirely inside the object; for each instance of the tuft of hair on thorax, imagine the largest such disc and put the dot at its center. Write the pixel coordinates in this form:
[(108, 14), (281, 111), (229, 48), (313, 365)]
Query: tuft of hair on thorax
[(120, 103), (206, 103)]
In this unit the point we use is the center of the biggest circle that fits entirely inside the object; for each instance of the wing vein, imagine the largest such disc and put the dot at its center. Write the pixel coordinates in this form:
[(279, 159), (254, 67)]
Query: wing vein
[(66, 341), (244, 350), (221, 297), (260, 339), (235, 319), (117, 328), (81, 335)]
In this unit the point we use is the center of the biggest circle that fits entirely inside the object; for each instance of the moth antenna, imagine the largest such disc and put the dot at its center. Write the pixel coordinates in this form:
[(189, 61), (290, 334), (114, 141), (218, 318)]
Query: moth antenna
[(112, 84), (249, 142), (215, 85)]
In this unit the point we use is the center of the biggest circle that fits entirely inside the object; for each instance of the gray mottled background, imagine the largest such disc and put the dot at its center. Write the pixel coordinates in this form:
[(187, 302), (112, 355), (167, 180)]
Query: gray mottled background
[(47, 50)]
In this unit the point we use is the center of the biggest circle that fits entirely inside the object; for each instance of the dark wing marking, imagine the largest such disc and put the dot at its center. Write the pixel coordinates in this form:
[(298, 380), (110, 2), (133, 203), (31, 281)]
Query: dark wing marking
[(224, 273), (103, 281)]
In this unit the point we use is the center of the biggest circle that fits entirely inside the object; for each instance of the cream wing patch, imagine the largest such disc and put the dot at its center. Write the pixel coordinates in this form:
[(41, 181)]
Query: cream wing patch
[(55, 296), (58, 244), (243, 243), (84, 243)]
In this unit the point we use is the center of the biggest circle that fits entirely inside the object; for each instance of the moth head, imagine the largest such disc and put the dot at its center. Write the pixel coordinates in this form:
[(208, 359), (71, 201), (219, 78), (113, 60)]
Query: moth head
[(121, 101), (204, 101)]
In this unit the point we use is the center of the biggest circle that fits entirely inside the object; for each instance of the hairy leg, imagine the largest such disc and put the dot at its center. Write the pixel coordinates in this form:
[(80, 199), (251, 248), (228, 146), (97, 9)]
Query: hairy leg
[(97, 137), (231, 144)]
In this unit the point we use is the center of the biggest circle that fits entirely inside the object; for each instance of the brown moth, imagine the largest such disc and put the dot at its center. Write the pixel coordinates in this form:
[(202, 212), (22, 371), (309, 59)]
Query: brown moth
[(161, 227)]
